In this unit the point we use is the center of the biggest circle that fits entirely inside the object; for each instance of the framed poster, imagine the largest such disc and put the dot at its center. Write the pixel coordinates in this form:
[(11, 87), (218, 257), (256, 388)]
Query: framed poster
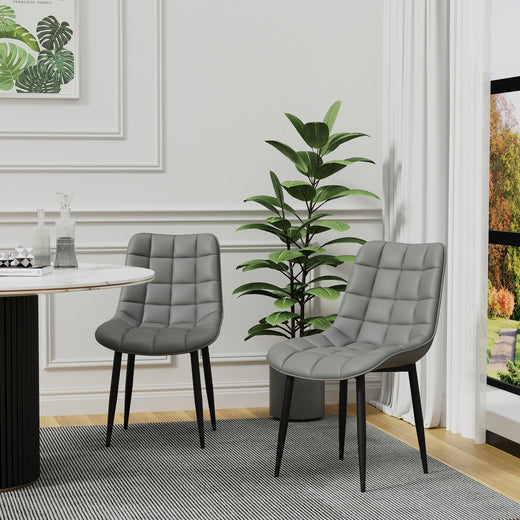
[(39, 49)]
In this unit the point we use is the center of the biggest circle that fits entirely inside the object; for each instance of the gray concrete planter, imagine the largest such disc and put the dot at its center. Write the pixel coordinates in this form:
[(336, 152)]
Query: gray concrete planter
[(308, 400)]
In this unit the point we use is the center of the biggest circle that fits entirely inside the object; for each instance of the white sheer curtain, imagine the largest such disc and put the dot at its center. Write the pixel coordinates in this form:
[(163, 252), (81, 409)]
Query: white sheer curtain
[(435, 181)]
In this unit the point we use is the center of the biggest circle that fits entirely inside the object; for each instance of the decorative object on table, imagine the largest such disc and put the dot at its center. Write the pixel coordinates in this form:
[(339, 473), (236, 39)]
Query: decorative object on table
[(65, 234), (23, 257), (41, 270), (386, 323), (178, 313), (6, 258), (296, 265), (41, 241), (38, 49)]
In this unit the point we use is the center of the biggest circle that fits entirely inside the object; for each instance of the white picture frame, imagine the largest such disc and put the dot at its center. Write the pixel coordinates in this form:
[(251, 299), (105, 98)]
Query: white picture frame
[(39, 48)]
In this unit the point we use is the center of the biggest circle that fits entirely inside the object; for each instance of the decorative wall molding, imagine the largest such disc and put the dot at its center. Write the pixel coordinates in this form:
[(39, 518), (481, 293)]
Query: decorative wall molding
[(118, 132), (166, 216)]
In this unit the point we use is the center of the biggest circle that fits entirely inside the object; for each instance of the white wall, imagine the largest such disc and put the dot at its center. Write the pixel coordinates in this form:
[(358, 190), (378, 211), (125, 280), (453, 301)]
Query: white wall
[(177, 99)]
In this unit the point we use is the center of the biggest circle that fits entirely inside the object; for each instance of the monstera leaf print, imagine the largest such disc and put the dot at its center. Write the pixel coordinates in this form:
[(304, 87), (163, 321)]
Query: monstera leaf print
[(53, 34), (37, 80), (13, 61), (59, 64), (7, 17), (17, 32)]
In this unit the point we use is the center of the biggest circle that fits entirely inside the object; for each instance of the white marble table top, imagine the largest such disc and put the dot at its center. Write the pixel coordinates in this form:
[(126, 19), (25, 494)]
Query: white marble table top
[(85, 277)]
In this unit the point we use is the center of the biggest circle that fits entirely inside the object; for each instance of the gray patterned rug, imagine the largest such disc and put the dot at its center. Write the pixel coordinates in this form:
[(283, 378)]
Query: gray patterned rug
[(157, 471)]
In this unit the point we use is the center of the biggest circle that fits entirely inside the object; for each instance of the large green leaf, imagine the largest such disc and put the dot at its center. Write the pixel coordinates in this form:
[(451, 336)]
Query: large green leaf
[(53, 34), (299, 190), (277, 187), (279, 222), (251, 265), (326, 278), (59, 64), (332, 113), (17, 32), (261, 227), (260, 286), (312, 249), (316, 135), (276, 318), (336, 140), (346, 258), (7, 17), (297, 123), (284, 303), (336, 225), (329, 168), (317, 260), (330, 192), (13, 61), (319, 322), (327, 293), (312, 161), (362, 192), (264, 201), (267, 332), (289, 153), (37, 80), (345, 240), (285, 255), (263, 329)]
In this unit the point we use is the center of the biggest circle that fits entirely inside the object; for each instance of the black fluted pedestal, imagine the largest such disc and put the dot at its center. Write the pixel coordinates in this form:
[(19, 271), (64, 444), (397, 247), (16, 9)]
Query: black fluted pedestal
[(19, 392)]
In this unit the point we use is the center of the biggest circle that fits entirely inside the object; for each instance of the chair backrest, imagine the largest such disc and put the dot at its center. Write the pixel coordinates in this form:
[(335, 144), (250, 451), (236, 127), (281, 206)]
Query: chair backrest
[(187, 287), (393, 294)]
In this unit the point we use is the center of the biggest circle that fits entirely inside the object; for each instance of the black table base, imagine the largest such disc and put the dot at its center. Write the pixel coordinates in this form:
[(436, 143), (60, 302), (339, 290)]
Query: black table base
[(19, 392)]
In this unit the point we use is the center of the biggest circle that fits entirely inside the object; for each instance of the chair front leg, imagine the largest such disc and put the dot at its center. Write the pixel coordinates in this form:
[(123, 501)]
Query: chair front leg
[(114, 386), (361, 430), (284, 421), (130, 364), (418, 416), (342, 416), (197, 391), (208, 379)]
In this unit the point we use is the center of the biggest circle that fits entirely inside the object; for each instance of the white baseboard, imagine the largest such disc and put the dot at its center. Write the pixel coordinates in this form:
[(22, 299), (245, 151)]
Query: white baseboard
[(154, 398)]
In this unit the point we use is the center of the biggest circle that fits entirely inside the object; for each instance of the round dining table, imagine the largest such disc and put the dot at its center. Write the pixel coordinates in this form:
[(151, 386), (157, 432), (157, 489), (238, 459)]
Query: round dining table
[(19, 370)]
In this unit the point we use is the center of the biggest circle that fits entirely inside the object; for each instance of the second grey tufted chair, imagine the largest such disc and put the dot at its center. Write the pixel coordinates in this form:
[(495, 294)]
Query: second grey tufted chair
[(179, 312), (386, 322)]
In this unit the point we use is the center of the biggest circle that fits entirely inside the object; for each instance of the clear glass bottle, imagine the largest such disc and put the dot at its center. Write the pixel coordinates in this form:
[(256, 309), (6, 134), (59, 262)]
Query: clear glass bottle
[(65, 233), (41, 241)]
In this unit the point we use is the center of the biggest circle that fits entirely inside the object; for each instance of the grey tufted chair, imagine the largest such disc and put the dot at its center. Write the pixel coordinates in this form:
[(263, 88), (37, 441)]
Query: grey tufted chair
[(386, 322), (179, 312)]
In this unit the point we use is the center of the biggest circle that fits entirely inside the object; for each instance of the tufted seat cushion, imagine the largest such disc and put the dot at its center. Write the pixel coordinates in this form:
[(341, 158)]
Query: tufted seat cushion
[(387, 317), (181, 309)]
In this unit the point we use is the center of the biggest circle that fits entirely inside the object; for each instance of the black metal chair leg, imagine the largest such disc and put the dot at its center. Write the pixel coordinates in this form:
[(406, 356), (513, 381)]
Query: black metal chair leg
[(342, 416), (197, 391), (130, 364), (284, 421), (114, 386), (418, 416), (361, 430), (206, 363)]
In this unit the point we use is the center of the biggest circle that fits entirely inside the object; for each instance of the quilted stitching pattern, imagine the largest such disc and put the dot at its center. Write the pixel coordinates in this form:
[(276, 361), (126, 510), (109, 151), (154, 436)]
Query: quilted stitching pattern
[(181, 309), (387, 317)]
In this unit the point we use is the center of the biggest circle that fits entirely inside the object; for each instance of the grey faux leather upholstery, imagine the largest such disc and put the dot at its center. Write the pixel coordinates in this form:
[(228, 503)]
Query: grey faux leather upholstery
[(387, 317), (181, 309)]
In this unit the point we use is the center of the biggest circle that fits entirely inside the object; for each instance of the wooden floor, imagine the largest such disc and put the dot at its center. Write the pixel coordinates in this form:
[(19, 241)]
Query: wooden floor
[(490, 466)]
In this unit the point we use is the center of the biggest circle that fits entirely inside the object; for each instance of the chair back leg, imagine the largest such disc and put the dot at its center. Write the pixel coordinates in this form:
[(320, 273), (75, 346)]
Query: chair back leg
[(114, 386), (284, 421), (208, 379), (130, 364), (418, 416), (342, 416), (197, 391), (361, 430)]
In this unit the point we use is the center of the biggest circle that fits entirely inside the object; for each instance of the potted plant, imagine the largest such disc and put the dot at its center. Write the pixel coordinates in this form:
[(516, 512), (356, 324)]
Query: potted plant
[(301, 231)]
